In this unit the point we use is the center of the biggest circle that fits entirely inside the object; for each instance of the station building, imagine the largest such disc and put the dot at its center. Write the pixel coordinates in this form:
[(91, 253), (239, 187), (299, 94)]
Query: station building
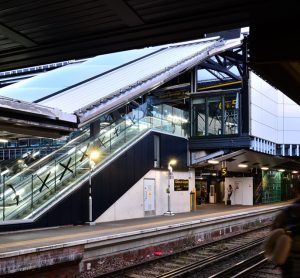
[(141, 133)]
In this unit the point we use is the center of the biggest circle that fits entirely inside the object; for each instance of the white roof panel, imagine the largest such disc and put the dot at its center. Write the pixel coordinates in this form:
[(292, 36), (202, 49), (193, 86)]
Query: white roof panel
[(122, 78), (45, 84)]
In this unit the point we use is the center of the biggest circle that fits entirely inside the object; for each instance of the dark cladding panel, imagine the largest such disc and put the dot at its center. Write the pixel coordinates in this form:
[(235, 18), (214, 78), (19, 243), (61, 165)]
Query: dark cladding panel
[(226, 35), (173, 148), (234, 142)]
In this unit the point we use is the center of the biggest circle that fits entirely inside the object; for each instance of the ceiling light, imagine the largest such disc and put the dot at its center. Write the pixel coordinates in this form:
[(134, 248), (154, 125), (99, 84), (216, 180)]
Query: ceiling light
[(2, 140), (294, 172), (241, 165), (5, 172), (281, 170), (265, 168), (212, 161), (173, 162)]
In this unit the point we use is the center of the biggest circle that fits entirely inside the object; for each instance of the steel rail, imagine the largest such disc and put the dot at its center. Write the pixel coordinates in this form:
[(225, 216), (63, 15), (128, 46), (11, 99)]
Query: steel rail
[(243, 268), (210, 260)]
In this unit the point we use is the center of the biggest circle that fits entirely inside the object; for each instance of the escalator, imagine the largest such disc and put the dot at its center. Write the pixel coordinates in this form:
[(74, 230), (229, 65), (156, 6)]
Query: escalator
[(29, 194)]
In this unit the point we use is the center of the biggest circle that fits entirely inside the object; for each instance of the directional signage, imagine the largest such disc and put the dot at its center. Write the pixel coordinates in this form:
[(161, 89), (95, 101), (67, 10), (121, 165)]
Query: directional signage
[(224, 171)]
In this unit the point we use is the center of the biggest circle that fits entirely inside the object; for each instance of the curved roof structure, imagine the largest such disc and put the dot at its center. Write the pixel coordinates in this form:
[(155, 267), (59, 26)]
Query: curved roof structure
[(101, 84), (34, 32)]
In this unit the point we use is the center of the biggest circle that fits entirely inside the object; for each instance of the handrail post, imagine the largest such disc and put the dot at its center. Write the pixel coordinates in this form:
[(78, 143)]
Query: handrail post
[(55, 176), (31, 191), (3, 198)]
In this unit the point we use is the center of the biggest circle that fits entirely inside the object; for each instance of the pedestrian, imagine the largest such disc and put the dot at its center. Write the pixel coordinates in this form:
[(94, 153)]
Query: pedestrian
[(229, 193), (289, 220), (203, 194)]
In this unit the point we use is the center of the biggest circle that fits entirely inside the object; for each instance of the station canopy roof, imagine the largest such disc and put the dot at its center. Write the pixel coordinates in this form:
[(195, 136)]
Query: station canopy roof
[(87, 90), (35, 32), (253, 160)]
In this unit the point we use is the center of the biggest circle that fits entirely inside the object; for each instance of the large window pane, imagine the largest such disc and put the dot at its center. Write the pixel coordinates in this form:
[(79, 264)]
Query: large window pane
[(231, 113), (214, 116), (199, 117)]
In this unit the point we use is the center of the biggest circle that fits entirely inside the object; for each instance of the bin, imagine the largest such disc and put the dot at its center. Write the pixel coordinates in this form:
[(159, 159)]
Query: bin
[(193, 201)]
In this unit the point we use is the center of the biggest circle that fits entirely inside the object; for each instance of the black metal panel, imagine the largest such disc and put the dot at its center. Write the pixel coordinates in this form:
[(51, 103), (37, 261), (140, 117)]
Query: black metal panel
[(173, 148), (227, 35), (111, 183), (219, 143), (121, 174)]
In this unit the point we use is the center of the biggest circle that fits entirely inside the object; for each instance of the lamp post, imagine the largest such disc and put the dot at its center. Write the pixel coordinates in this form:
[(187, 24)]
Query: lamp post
[(94, 155), (170, 169)]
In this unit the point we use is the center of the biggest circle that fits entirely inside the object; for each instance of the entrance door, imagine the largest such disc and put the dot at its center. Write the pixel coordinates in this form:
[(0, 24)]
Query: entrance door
[(149, 197)]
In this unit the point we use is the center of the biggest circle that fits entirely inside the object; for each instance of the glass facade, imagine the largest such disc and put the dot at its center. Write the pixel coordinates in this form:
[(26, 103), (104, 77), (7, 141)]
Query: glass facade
[(271, 186), (215, 114), (29, 185)]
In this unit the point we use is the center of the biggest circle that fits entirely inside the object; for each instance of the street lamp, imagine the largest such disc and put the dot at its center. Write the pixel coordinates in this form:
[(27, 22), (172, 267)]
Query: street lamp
[(93, 157), (170, 169)]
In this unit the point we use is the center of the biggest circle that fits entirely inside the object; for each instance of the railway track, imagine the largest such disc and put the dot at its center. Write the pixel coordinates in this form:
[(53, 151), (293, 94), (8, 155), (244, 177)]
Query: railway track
[(199, 261), (256, 266)]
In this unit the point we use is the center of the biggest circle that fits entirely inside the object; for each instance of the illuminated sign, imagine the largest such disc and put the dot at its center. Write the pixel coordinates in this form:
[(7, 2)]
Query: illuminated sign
[(229, 104), (224, 171), (181, 185)]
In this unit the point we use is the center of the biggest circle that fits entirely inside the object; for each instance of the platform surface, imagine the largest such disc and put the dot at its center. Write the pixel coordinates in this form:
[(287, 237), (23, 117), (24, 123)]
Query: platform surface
[(20, 240)]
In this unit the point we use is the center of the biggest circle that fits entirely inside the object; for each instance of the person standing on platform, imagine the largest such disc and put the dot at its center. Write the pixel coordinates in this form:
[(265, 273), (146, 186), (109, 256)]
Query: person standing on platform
[(203, 194), (289, 220), (229, 193)]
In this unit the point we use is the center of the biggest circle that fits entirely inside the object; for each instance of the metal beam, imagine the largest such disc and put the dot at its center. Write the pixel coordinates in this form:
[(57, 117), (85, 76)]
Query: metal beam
[(216, 75), (124, 12), (234, 56), (16, 36), (210, 64)]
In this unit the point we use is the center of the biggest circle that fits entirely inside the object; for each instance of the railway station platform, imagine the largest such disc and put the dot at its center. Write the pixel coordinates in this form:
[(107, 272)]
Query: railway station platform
[(78, 249)]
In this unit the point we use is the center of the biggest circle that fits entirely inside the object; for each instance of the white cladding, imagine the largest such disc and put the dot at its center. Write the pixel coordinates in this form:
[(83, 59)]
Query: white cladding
[(242, 190), (124, 77), (273, 116), (132, 203)]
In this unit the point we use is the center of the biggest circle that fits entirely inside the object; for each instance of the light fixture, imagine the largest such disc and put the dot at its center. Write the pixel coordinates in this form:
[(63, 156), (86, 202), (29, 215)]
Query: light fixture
[(281, 170), (213, 161), (294, 172), (172, 162), (36, 153), (5, 172), (94, 155), (71, 151), (241, 165), (265, 168), (2, 140)]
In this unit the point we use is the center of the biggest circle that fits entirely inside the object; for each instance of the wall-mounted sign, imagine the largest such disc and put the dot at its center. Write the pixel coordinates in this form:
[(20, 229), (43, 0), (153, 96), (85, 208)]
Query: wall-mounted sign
[(181, 185), (149, 195), (224, 171)]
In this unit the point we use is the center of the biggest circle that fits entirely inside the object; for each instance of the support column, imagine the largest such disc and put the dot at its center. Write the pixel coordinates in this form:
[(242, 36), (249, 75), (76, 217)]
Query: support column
[(94, 128), (194, 80), (245, 90)]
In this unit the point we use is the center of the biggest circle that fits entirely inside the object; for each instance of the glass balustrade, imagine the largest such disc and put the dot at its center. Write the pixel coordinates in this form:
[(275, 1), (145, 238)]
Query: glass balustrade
[(35, 188)]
